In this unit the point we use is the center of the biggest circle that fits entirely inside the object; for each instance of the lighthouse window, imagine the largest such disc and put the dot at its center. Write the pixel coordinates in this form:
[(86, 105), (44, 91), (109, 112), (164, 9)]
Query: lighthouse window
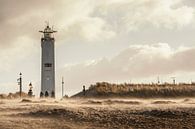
[(48, 65)]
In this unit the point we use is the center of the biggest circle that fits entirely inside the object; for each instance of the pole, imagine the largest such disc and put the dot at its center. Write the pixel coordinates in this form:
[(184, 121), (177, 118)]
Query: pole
[(62, 87), (158, 80), (20, 84)]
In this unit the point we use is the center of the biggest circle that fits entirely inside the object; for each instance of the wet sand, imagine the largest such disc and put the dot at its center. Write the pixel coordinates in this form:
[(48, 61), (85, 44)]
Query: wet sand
[(98, 114)]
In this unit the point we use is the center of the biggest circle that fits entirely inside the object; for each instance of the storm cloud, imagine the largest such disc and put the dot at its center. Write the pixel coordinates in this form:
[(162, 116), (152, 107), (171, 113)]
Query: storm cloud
[(88, 19), (98, 40)]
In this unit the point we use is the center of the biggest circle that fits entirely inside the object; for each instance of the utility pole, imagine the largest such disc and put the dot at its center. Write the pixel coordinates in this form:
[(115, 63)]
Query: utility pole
[(62, 87), (158, 80), (174, 80), (20, 84)]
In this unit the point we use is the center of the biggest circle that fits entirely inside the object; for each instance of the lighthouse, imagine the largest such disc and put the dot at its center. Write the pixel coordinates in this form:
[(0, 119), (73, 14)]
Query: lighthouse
[(48, 63)]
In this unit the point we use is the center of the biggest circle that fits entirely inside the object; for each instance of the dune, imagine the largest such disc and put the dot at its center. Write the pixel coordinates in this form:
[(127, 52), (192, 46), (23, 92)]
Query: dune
[(105, 90)]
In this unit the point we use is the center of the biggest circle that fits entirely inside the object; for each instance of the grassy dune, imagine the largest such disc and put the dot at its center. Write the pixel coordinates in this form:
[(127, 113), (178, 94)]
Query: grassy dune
[(104, 89)]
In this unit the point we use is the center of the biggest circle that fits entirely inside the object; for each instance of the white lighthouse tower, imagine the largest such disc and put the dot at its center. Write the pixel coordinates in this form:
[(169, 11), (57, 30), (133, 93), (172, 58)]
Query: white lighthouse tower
[(47, 63)]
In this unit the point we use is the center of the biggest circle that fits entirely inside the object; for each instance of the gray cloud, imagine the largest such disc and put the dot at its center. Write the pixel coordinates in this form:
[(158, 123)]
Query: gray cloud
[(89, 19), (137, 61), (20, 18), (97, 21)]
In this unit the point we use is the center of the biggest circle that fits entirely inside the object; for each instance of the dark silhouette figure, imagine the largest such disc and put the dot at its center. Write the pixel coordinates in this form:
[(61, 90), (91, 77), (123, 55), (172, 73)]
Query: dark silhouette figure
[(84, 90), (41, 94), (46, 94), (53, 94)]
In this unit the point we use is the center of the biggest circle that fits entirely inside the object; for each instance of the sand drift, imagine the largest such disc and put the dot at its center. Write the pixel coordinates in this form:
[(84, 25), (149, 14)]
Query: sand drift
[(100, 114)]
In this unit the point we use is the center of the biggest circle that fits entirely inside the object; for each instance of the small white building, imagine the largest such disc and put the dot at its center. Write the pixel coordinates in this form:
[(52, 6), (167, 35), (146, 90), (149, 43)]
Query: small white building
[(48, 63)]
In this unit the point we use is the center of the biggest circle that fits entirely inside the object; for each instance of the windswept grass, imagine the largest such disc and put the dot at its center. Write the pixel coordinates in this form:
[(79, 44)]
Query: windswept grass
[(104, 89)]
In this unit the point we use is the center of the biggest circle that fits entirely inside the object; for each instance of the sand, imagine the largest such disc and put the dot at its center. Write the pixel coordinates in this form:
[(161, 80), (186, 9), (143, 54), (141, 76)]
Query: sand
[(97, 114)]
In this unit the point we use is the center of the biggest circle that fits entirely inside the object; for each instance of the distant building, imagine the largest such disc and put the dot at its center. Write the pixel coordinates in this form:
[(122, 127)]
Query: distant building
[(48, 63)]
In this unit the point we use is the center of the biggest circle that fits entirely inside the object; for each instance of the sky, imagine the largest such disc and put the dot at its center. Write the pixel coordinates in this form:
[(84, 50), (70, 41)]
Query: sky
[(98, 40)]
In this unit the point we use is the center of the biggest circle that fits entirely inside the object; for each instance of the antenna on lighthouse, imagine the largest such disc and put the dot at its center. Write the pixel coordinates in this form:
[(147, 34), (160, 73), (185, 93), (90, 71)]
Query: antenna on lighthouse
[(47, 23)]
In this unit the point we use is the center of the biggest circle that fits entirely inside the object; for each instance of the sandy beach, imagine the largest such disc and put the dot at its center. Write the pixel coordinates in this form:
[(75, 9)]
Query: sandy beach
[(97, 114)]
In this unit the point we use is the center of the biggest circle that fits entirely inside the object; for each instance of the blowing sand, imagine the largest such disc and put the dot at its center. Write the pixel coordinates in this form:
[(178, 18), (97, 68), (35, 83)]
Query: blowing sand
[(97, 114)]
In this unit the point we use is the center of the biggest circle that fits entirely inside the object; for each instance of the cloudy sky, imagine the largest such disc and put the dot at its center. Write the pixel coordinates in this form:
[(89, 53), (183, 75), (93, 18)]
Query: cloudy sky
[(98, 40)]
